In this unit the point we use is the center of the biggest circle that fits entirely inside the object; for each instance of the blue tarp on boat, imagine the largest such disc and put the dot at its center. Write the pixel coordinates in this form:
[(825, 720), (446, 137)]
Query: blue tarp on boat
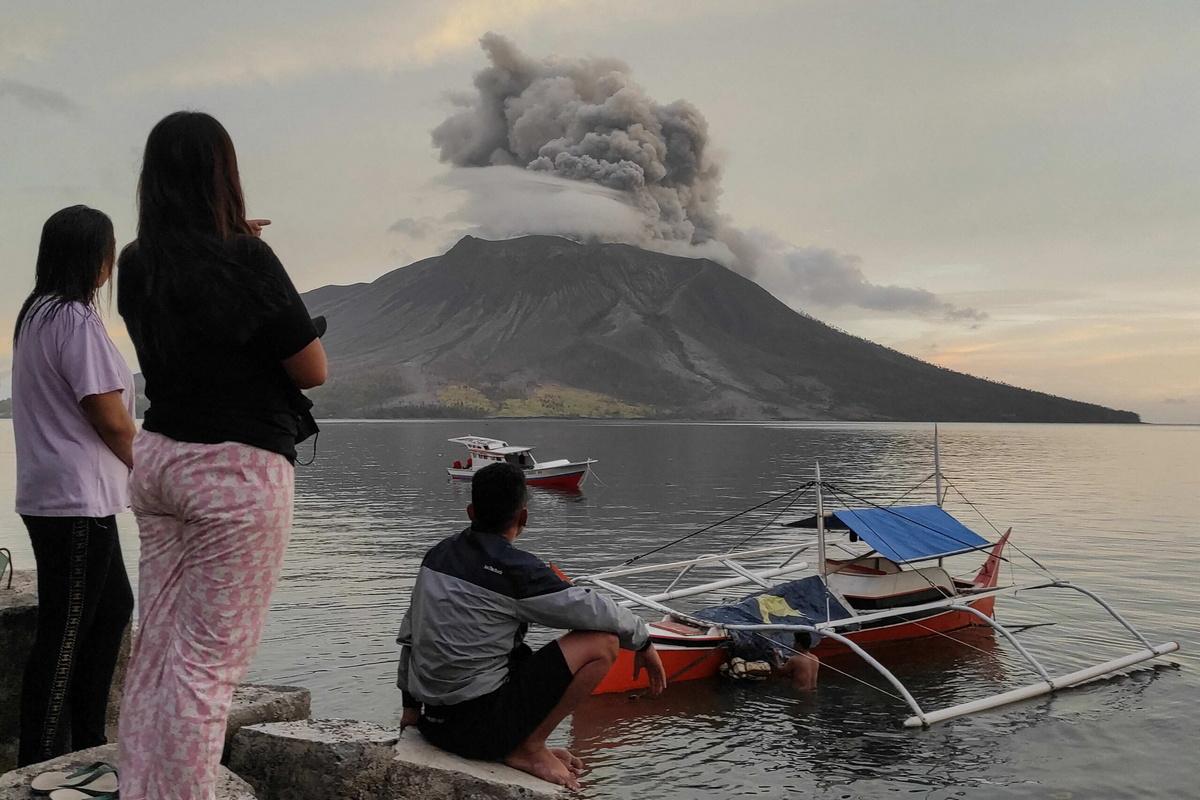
[(798, 602), (911, 533)]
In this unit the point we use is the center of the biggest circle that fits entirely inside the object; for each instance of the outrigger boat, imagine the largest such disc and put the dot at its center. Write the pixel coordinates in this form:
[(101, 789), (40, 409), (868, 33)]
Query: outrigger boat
[(482, 451), (890, 585)]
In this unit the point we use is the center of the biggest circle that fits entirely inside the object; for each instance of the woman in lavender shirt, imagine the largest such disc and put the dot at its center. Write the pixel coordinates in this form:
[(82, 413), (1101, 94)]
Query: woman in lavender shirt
[(73, 425)]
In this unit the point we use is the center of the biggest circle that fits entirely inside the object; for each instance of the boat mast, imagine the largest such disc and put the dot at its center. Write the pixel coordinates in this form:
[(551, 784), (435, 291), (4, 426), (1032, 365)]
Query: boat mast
[(937, 469), (821, 540)]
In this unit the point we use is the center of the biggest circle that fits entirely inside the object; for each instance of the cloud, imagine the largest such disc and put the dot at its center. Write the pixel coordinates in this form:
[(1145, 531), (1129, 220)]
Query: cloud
[(400, 36), (413, 227), (29, 35), (37, 98), (1132, 362), (508, 201), (830, 279)]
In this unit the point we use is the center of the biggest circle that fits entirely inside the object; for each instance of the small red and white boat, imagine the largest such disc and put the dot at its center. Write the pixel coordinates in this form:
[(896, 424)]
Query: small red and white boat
[(482, 452), (892, 586)]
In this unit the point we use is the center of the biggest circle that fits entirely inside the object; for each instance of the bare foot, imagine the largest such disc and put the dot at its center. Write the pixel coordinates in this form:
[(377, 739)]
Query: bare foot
[(541, 763), (572, 761)]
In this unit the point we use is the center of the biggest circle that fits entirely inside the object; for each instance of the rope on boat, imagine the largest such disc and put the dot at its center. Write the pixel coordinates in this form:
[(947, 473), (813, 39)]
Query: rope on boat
[(1016, 596), (766, 502), (928, 478), (999, 653), (1016, 547), (773, 519)]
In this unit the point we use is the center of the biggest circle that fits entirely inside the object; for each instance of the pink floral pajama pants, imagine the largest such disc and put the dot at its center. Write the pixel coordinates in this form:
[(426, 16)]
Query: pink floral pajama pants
[(214, 521)]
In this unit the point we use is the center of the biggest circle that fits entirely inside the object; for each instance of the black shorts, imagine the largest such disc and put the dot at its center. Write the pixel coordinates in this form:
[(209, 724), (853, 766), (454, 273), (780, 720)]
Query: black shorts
[(490, 727)]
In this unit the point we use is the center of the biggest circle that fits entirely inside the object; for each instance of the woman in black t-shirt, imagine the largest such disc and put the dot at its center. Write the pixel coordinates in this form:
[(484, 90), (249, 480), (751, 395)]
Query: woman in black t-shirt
[(225, 345)]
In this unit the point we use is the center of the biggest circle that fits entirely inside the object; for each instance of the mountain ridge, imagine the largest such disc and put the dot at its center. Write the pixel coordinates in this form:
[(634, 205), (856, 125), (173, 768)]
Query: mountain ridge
[(494, 325)]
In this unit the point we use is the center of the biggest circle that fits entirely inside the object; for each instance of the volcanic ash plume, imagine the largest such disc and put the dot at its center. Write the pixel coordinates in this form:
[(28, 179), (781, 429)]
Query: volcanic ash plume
[(576, 148), (586, 120)]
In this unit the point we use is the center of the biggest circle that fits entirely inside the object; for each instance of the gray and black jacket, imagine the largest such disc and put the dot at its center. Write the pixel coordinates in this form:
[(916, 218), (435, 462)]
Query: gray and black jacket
[(471, 607)]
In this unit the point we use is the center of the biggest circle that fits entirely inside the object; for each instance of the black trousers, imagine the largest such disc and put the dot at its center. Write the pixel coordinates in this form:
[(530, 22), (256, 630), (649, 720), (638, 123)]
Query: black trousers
[(84, 605)]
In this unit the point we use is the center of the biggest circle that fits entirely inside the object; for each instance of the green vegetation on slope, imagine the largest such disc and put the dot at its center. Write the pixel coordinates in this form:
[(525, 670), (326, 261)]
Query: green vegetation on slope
[(563, 401)]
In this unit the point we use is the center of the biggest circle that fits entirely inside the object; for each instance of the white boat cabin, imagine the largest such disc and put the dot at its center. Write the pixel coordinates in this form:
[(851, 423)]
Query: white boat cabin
[(483, 452)]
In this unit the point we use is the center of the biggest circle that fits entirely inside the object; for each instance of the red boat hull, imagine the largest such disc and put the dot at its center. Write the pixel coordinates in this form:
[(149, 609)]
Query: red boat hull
[(704, 656), (694, 663), (571, 480), (565, 480), (683, 664)]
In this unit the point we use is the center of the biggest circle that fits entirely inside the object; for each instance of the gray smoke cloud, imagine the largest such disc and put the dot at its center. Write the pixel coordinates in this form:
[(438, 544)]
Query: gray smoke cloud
[(414, 227), (587, 120), (37, 98), (834, 279), (576, 147), (831, 279)]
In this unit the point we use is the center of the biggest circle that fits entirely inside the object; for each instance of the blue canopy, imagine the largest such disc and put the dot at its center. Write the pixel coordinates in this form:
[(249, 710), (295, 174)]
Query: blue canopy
[(910, 533)]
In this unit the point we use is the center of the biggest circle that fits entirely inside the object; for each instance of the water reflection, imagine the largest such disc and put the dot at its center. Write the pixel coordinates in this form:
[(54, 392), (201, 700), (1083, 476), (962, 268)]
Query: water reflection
[(378, 498), (1113, 507)]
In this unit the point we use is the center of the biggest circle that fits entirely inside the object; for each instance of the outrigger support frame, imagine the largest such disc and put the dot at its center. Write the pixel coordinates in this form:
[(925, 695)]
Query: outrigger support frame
[(920, 718), (1048, 684)]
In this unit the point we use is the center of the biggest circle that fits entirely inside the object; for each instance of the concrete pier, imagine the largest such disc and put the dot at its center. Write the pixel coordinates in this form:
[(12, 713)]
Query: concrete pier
[(18, 624), (273, 750), (363, 761), (15, 785)]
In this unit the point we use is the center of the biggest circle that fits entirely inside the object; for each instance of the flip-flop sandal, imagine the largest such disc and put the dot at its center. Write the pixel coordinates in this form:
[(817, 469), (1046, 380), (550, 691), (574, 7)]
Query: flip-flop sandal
[(81, 794), (98, 776)]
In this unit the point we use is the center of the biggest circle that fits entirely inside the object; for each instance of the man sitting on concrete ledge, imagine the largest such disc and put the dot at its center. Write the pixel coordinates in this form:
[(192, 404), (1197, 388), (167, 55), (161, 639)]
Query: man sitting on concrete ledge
[(469, 681)]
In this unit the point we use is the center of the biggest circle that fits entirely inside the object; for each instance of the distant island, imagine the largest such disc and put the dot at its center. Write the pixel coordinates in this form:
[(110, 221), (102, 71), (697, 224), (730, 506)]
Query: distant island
[(542, 326)]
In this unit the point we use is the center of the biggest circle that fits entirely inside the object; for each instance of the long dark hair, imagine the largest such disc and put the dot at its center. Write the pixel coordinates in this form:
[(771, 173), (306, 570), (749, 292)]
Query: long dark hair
[(189, 188), (76, 249), (190, 210)]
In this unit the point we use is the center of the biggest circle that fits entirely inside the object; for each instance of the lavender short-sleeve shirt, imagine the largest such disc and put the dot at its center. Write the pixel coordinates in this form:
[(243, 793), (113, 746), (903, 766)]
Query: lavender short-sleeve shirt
[(64, 468)]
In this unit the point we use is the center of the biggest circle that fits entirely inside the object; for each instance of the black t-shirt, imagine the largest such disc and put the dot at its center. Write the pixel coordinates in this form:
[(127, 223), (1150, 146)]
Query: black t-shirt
[(211, 327)]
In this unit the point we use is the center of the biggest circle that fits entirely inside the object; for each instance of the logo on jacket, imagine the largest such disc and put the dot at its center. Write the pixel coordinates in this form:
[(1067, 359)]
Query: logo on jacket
[(490, 568)]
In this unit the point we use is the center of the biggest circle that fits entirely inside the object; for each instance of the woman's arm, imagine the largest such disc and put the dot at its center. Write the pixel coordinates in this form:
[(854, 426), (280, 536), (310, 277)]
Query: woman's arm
[(308, 368), (111, 420)]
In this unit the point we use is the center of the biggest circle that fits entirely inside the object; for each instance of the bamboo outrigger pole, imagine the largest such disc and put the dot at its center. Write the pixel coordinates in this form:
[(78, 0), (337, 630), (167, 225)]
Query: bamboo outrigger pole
[(937, 469), (822, 568)]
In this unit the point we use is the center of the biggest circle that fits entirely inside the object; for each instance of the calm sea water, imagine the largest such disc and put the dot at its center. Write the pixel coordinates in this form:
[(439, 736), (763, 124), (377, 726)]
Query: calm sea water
[(1115, 508)]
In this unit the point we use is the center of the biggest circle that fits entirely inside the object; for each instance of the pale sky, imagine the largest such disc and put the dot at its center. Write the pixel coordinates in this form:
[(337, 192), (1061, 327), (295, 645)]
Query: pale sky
[(1038, 162)]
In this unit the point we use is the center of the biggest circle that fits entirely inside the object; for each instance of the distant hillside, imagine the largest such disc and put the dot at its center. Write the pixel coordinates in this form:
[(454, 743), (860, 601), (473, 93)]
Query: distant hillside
[(543, 326)]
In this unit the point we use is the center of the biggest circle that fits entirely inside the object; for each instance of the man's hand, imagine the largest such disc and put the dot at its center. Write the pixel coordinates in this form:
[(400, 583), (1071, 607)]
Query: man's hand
[(648, 660), (409, 718)]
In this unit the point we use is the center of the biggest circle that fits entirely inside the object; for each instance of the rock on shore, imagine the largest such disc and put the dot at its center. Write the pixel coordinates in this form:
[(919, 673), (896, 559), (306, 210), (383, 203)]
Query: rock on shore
[(18, 624), (15, 785), (270, 742), (363, 761)]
